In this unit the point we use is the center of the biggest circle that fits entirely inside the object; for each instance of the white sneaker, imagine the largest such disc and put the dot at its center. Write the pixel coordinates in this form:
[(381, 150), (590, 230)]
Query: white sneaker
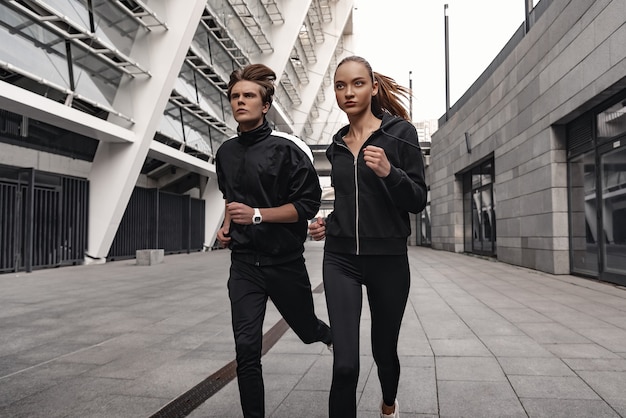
[(396, 411)]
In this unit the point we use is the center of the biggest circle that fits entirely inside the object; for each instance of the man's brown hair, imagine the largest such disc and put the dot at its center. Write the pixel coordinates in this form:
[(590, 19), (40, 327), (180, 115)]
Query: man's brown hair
[(259, 74)]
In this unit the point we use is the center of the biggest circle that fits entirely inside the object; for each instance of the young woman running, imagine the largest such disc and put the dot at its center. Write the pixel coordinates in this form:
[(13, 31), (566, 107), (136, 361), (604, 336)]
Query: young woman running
[(378, 176)]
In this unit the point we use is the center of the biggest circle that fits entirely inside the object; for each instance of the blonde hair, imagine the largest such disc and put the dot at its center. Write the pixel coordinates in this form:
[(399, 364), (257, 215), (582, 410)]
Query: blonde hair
[(390, 93)]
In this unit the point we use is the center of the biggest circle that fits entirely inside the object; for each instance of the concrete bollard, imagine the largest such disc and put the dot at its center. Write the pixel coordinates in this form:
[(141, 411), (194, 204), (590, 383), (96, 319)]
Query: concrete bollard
[(149, 257)]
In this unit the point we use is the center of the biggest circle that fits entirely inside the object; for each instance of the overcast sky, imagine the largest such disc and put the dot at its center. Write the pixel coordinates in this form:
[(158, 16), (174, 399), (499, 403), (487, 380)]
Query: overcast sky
[(398, 36)]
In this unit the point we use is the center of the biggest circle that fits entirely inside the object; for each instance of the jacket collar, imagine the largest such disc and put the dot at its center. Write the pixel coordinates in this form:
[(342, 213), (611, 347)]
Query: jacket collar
[(255, 135), (387, 122)]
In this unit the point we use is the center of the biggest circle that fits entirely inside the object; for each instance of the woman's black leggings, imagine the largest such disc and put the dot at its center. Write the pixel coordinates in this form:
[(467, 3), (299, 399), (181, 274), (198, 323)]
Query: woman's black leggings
[(387, 280)]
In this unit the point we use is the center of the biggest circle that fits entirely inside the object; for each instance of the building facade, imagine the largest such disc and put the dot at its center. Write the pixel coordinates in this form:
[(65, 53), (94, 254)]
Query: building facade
[(111, 113), (529, 166)]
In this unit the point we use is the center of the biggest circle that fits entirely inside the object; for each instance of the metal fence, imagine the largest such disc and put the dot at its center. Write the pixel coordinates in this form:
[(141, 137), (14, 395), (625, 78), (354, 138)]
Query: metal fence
[(43, 219), (156, 219)]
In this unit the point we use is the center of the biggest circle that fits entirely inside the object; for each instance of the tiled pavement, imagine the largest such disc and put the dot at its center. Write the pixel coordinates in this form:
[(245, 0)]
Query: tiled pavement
[(479, 339)]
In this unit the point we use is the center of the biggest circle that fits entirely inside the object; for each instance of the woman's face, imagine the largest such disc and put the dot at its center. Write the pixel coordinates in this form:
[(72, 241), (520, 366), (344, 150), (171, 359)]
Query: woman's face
[(354, 88)]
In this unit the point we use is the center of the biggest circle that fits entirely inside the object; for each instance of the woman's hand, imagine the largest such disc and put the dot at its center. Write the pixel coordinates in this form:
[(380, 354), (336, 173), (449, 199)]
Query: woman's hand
[(223, 235), (376, 159), (317, 229)]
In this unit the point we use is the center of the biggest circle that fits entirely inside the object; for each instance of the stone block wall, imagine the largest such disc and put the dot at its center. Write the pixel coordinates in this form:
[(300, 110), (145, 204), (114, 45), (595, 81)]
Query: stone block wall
[(571, 60)]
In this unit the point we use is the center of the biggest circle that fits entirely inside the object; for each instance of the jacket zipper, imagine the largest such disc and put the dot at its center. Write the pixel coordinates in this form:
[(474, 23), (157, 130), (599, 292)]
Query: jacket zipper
[(356, 204), (257, 261), (356, 195)]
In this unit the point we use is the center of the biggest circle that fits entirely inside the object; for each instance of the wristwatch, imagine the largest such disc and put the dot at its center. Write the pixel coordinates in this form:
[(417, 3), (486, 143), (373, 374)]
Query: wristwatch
[(257, 218)]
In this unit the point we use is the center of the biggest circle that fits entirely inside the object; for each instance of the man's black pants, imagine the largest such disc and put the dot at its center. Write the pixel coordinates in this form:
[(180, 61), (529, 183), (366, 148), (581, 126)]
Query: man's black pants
[(289, 288)]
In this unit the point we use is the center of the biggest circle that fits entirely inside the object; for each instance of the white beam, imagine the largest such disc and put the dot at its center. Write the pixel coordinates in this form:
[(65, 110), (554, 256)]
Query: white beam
[(167, 154), (214, 210), (36, 107)]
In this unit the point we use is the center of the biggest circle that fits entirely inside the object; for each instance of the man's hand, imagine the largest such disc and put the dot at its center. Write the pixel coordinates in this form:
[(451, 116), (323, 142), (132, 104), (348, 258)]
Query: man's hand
[(376, 159), (317, 229), (239, 213)]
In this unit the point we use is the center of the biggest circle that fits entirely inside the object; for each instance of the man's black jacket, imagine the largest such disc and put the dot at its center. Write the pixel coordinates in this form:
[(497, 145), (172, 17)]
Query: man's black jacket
[(264, 168)]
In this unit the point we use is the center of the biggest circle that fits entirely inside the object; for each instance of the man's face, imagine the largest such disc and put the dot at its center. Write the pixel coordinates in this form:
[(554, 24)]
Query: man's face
[(247, 104)]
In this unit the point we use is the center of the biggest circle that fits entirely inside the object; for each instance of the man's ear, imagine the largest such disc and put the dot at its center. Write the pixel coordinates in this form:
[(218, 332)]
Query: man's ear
[(266, 107)]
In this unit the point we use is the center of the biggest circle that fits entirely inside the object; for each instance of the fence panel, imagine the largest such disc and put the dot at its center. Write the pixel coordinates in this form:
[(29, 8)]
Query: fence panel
[(155, 219), (43, 219), (8, 205)]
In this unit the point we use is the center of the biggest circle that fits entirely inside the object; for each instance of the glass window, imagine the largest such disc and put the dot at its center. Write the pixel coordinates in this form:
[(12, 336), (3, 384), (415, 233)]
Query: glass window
[(197, 88), (196, 131), (32, 48), (479, 210), (425, 231), (93, 78), (597, 192), (483, 230), (467, 212), (214, 53), (171, 125), (612, 121), (73, 10), (115, 26), (613, 177), (228, 17), (583, 214)]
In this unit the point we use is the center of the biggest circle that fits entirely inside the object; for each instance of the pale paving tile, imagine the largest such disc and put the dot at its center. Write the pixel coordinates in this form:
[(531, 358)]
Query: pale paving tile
[(521, 315), (536, 366), (599, 365), (478, 399), (515, 346), (567, 408), (469, 368), (614, 340), (580, 351), (552, 333), (459, 347), (610, 385), (557, 387)]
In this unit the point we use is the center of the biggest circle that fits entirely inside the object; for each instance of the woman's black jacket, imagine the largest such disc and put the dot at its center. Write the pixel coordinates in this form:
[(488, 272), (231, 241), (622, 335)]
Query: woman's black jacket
[(371, 214)]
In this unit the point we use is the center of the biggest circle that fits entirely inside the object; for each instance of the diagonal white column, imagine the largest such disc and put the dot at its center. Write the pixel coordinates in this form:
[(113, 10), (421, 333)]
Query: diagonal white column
[(214, 210), (116, 167)]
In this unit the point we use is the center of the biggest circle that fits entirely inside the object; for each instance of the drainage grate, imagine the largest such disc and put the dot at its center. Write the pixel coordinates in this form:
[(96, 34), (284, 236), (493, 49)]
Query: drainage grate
[(197, 395), (194, 397)]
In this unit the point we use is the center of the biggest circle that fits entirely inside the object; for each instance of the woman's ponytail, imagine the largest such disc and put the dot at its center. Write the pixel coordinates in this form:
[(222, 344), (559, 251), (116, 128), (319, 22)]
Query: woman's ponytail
[(389, 97)]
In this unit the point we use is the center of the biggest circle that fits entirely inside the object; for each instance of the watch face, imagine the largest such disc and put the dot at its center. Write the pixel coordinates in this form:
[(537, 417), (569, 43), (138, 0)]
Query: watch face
[(257, 218)]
